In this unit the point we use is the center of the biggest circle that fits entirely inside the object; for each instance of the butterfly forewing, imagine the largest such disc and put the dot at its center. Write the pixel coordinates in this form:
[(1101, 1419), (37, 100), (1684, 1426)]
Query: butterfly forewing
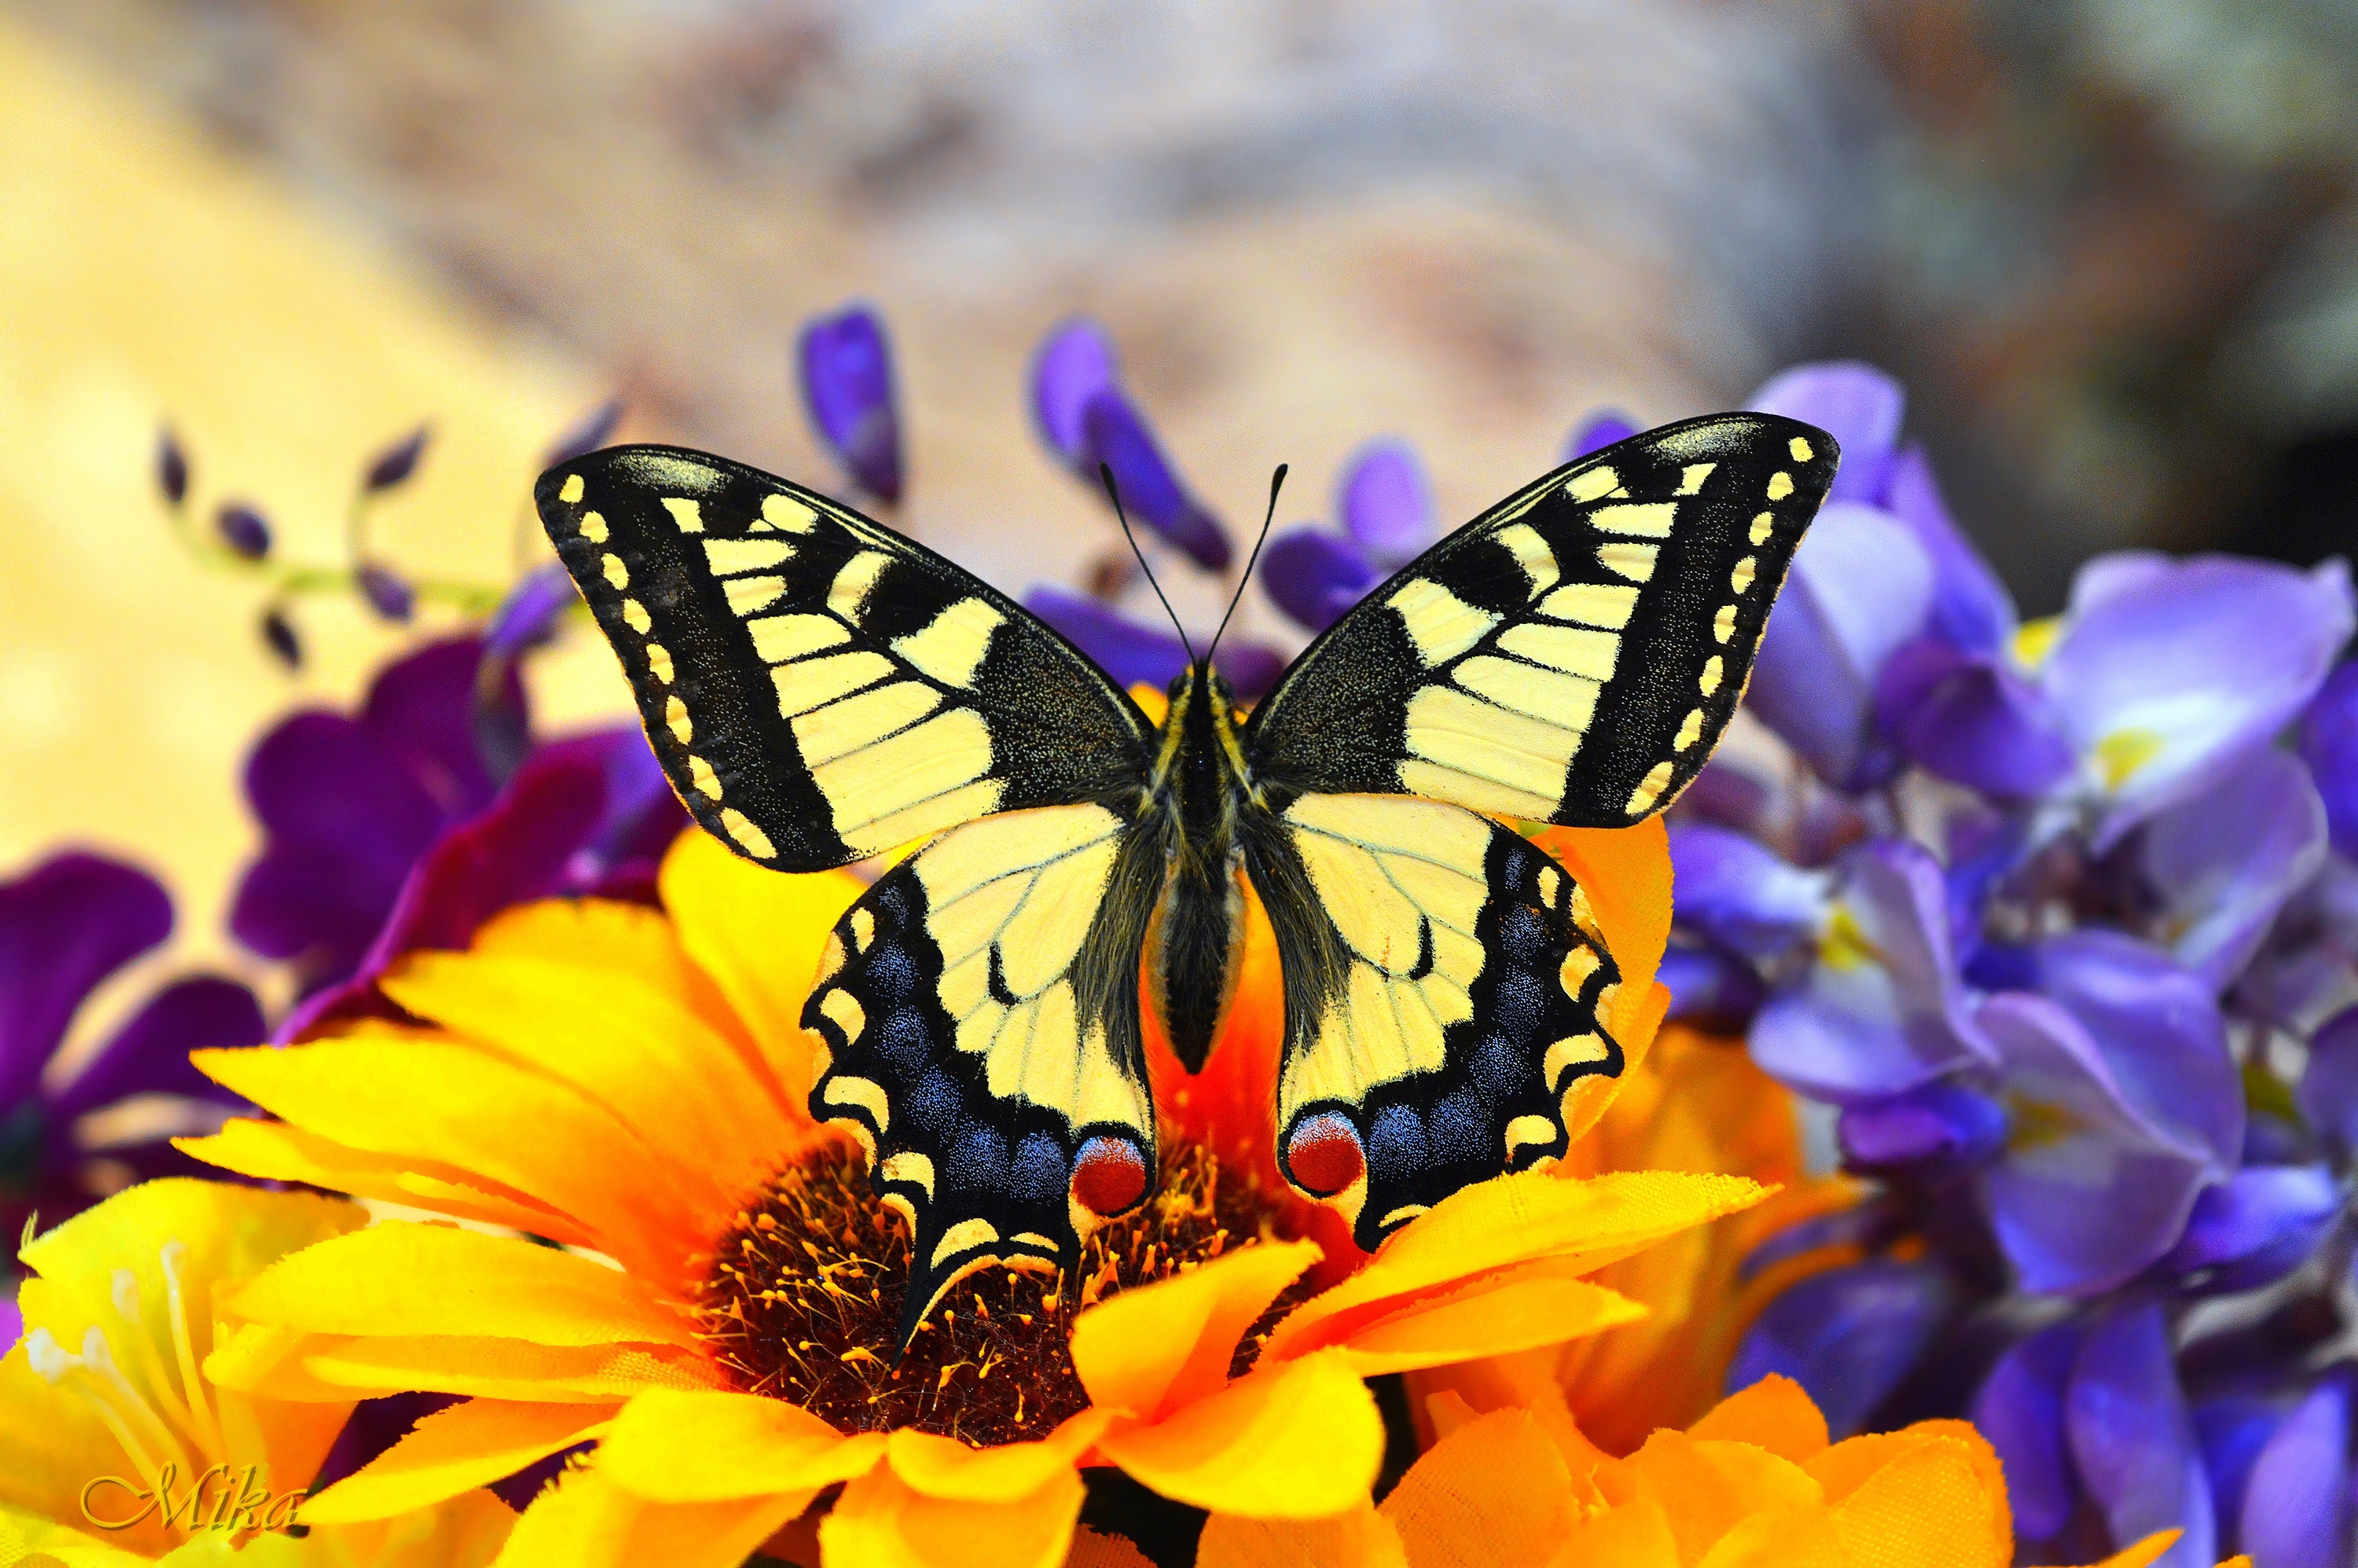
[(818, 688), (1573, 655)]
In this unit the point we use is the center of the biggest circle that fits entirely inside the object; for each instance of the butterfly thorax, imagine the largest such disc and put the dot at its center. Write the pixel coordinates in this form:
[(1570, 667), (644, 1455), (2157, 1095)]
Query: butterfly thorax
[(1199, 789)]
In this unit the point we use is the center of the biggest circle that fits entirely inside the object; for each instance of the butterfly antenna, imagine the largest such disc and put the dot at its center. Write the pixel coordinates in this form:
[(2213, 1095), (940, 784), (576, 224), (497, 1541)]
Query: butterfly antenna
[(1276, 483), (1113, 493)]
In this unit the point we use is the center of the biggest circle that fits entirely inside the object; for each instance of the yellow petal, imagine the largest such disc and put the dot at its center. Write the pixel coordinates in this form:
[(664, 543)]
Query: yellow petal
[(402, 1278), (1512, 1219), (451, 1452), (1931, 1505), (482, 1369), (944, 1467), (1091, 1550), (1851, 1463), (1359, 1539), (1775, 1413), (455, 1106), (1150, 1349), (1495, 1316), (708, 1445), (1299, 1440), (585, 1521), (278, 1153), (1706, 1488), (1493, 1494), (758, 933), (1635, 1535), (468, 1531), (36, 1542), (640, 1053), (882, 1522)]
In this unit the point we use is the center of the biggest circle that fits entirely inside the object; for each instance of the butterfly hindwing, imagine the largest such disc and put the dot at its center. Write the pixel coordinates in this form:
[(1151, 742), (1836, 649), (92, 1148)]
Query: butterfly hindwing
[(818, 688), (1444, 986), (977, 1013), (1573, 655)]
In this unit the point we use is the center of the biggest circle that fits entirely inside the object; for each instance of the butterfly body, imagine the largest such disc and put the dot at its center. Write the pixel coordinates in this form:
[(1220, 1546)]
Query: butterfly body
[(821, 689)]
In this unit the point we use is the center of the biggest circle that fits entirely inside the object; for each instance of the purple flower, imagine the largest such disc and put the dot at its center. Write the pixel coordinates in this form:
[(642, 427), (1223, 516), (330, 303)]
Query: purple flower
[(2255, 1228), (1737, 893), (585, 434), (1850, 1336), (243, 528), (348, 803), (2020, 1408), (388, 593), (2297, 1509), (172, 466), (846, 371), (2132, 1439), (65, 927), (1934, 1127), (393, 465), (1075, 362), (1133, 654), (1971, 608), (2224, 863), (1599, 431), (2328, 1092), (2329, 743), (1858, 405), (1972, 719), (1314, 575), (1386, 502), (1882, 1008)]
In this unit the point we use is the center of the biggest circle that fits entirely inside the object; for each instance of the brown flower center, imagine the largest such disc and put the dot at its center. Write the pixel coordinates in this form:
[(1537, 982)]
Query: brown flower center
[(804, 1297)]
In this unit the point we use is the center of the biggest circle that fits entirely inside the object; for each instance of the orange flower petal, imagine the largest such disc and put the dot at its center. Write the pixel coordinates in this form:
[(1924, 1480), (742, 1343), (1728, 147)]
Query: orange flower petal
[(611, 1035), (1517, 1310), (1359, 1539), (454, 1451), (1493, 1493), (1151, 1350), (1773, 1414), (1513, 1219), (944, 1467), (456, 1106), (406, 1279), (1625, 873), (587, 1521), (1852, 1463), (1299, 1440), (1931, 1504), (496, 1369), (1804, 1538), (882, 1522), (277, 1151), (758, 935), (1706, 1488), (1635, 1535), (709, 1445)]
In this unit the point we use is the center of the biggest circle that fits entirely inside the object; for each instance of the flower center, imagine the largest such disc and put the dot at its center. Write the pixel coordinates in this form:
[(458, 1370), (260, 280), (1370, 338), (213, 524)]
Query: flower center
[(803, 1303)]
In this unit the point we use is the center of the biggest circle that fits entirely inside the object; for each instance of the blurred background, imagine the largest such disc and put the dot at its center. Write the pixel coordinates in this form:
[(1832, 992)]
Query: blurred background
[(2111, 244)]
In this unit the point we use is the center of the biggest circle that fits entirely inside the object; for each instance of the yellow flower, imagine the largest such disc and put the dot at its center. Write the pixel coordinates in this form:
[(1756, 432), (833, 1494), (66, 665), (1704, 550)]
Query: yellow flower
[(1753, 1484), (1696, 1103), (721, 1313), (115, 1449)]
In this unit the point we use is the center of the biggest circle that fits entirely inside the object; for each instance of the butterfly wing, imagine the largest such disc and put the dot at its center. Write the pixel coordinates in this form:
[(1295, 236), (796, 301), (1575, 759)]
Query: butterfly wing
[(1444, 985), (1571, 657), (977, 1011), (818, 688)]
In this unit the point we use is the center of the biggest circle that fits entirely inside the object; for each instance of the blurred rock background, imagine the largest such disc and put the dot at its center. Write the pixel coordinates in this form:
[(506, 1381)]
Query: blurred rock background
[(2110, 243)]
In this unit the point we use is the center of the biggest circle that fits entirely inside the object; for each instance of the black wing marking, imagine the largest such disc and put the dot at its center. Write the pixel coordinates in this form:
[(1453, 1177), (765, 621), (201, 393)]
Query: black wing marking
[(818, 688), (1573, 655), (976, 1014), (1445, 984)]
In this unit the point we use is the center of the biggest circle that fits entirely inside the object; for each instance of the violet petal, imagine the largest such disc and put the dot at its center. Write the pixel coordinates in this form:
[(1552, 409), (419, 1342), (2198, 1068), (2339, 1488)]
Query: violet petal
[(1075, 362), (2233, 1430), (1883, 1008), (172, 466), (1857, 404), (2171, 672), (2133, 1440), (1971, 608), (65, 926), (1849, 1336), (1385, 503), (1938, 1126), (418, 709), (1969, 719), (2255, 1228), (1150, 492), (2088, 1192), (2329, 743), (2161, 1032), (844, 368), (585, 434), (1249, 669), (2224, 861), (322, 780), (2297, 1508), (244, 529), (2328, 1092), (1314, 576), (393, 465), (1130, 654), (149, 1055), (1860, 586), (2020, 1410), (387, 592), (1599, 430), (1710, 989), (1740, 894)]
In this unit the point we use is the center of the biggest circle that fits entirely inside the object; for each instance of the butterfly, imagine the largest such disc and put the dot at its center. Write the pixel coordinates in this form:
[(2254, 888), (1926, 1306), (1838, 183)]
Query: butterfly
[(821, 690)]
